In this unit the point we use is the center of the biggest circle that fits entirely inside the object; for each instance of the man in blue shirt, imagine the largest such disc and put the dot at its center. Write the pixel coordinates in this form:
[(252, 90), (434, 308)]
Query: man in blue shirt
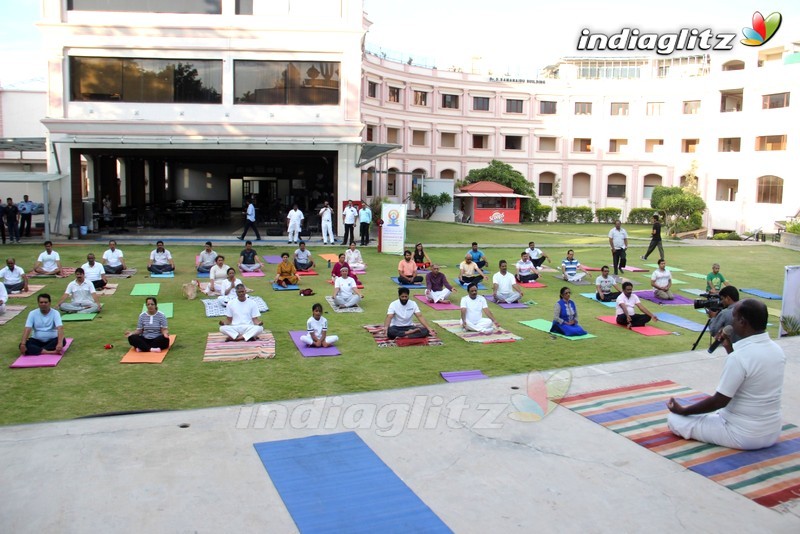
[(477, 255), (25, 214), (250, 221), (364, 218), (45, 324), (571, 268)]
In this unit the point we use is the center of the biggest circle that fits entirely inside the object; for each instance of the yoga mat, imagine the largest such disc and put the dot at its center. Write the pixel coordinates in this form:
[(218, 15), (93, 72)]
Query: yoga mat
[(65, 272), (289, 287), (591, 297), (544, 325), (462, 376), (219, 350), (274, 260), (126, 273), (362, 271), (644, 330), (585, 268), (11, 312), (338, 309), (762, 294), (42, 360), (767, 476), (333, 258), (582, 282), (32, 289), (167, 308), (667, 267), (506, 305), (440, 306), (695, 275), (632, 269), (312, 272), (336, 483), (454, 327), (677, 301), (310, 352), (696, 292), (376, 330), (147, 357), (145, 290), (109, 289), (680, 321), (251, 274), (170, 274), (459, 284), (203, 274), (533, 285), (396, 280), (72, 317)]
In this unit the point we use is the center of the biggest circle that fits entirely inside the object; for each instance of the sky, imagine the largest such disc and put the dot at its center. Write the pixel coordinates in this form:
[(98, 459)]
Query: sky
[(511, 37)]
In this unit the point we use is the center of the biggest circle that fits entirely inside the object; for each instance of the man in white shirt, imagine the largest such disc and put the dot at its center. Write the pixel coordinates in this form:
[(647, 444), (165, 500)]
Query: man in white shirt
[(82, 294), (618, 240), (326, 216), (526, 271), (473, 307), (661, 280), (349, 217), (250, 221), (627, 303), (113, 259), (536, 255), (49, 261), (160, 260), (399, 318), (345, 291), (604, 284), (206, 259), (745, 411), (364, 218), (294, 224), (94, 272), (242, 319), (504, 285), (14, 277)]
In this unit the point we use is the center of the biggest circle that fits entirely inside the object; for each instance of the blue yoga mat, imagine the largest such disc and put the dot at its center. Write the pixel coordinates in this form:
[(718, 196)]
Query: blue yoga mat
[(396, 280), (591, 296), (336, 483), (677, 320), (762, 294), (459, 284), (170, 274), (289, 287)]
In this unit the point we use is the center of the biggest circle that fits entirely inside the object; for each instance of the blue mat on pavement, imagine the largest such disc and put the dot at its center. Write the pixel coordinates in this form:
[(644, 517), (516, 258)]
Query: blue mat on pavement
[(336, 483), (677, 320), (762, 294)]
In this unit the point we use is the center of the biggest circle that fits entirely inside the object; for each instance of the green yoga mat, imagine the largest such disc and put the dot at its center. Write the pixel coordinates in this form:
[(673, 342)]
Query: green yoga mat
[(670, 269), (695, 275), (675, 281), (167, 308), (68, 317), (145, 290), (544, 325)]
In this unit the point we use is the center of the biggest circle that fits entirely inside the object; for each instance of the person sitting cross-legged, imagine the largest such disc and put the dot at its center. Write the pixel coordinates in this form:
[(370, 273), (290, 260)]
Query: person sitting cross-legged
[(604, 284), (526, 271), (249, 261), (407, 270), (302, 258), (227, 287), (661, 280), (469, 272), (353, 258), (44, 331), (49, 261), (14, 278), (317, 326), (113, 259), (504, 285), (207, 259), (565, 315), (438, 289), (571, 268), (345, 292), (336, 270), (286, 272), (399, 318), (82, 295), (242, 319), (151, 334), (160, 261), (473, 307), (626, 308), (217, 275), (95, 273)]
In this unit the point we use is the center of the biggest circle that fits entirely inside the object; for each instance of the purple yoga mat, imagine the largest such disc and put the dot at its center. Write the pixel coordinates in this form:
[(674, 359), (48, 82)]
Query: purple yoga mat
[(462, 376), (272, 259), (677, 301), (310, 352), (253, 274), (506, 305), (42, 360), (438, 306)]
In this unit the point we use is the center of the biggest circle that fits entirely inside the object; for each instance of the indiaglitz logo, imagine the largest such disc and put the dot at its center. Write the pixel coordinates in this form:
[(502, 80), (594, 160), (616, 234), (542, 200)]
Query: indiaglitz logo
[(497, 217), (763, 29), (542, 395), (663, 44)]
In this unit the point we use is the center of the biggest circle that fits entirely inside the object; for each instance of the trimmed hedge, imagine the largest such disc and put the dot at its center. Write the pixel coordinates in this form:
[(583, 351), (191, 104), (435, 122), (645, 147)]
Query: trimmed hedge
[(541, 213), (579, 215), (607, 215), (726, 236), (641, 215)]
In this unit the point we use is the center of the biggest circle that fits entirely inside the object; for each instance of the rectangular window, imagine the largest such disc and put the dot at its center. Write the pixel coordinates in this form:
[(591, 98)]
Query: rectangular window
[(448, 140), (771, 142), (778, 100), (480, 103), (691, 107), (654, 109), (199, 7), (393, 135), (619, 108), (689, 146), (616, 145), (616, 191), (547, 107), (545, 189), (450, 101), (480, 141), (372, 89), (583, 108), (582, 145), (647, 192), (731, 100), (651, 145), (419, 138), (730, 144), (513, 142), (370, 133), (547, 144), (394, 94), (99, 79), (295, 83), (726, 190), (513, 106), (420, 98)]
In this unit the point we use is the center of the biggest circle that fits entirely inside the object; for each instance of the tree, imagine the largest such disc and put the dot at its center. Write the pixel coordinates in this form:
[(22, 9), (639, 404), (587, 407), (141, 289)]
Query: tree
[(427, 204), (683, 210), (504, 174)]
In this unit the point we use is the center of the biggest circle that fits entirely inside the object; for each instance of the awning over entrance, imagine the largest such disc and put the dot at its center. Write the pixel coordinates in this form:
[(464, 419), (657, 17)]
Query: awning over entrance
[(372, 151), (23, 144), (491, 195), (32, 178)]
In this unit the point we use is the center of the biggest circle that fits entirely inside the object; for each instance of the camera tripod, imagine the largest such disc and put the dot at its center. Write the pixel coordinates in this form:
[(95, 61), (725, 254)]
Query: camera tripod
[(702, 333)]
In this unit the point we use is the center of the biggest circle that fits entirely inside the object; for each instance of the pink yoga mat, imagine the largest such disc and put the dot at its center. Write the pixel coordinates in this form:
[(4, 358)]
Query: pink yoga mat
[(312, 272), (635, 269), (585, 268), (644, 330), (42, 360), (533, 285), (310, 352), (506, 305), (253, 274), (438, 306)]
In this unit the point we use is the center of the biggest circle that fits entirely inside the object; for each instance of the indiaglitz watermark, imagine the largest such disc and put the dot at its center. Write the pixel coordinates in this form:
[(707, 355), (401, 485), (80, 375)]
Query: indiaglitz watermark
[(686, 39)]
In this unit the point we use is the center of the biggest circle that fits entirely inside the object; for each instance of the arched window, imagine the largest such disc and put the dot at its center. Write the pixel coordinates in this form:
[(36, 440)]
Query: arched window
[(448, 174), (391, 182), (369, 175), (617, 183), (769, 190), (546, 184), (733, 64), (581, 184), (651, 181)]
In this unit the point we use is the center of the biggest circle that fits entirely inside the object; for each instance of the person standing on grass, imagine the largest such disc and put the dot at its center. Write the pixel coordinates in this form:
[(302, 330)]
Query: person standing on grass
[(151, 334), (618, 240), (44, 331), (317, 328), (242, 319), (655, 240)]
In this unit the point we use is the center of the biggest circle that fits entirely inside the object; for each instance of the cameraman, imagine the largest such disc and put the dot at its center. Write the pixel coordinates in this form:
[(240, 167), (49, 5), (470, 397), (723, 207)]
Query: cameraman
[(718, 319)]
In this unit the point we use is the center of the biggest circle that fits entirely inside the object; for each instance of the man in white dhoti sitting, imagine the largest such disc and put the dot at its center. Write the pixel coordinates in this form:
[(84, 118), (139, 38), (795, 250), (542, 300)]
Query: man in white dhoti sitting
[(473, 306), (504, 285), (242, 319)]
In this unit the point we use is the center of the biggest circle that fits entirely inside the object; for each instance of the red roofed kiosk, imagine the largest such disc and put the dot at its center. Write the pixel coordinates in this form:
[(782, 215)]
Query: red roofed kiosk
[(490, 202)]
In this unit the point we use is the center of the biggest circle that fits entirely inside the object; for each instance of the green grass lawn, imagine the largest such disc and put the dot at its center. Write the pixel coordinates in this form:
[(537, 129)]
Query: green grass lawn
[(90, 379)]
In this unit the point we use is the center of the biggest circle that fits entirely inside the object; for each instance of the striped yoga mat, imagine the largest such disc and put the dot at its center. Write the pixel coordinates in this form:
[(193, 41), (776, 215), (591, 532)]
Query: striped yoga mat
[(768, 476), (218, 350)]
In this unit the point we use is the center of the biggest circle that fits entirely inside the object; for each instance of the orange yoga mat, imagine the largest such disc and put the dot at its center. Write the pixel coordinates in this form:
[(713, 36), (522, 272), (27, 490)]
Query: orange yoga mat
[(147, 357)]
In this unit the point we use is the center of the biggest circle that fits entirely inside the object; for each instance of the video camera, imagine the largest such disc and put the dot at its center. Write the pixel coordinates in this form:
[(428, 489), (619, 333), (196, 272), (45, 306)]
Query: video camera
[(709, 302)]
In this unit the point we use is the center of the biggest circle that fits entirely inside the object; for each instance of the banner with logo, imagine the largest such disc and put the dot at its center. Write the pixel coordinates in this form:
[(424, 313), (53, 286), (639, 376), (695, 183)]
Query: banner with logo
[(791, 294), (393, 238)]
